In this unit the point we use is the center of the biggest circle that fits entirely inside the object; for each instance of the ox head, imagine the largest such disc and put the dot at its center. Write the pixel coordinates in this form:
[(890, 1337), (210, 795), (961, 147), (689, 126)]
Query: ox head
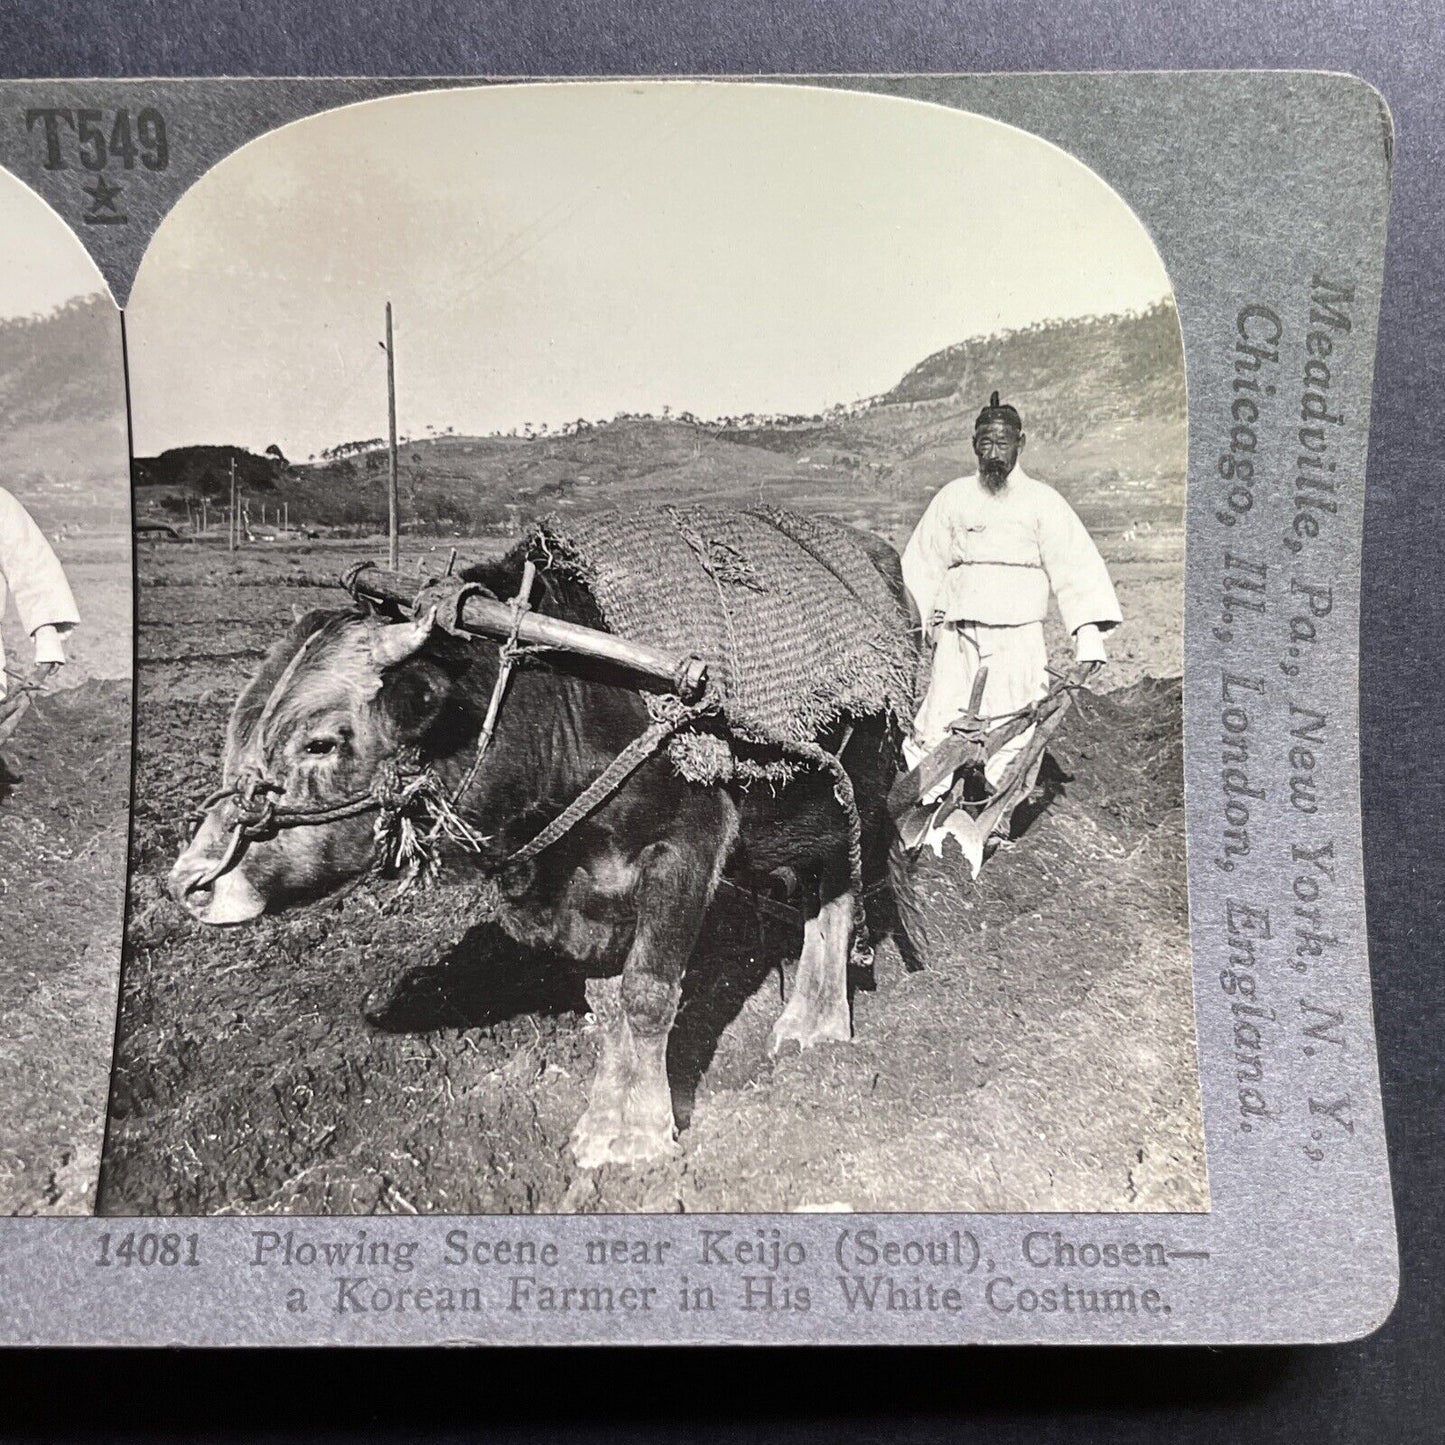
[(340, 695)]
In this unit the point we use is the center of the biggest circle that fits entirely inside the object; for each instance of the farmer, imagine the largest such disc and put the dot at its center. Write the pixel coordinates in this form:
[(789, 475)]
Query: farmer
[(980, 566), (31, 573)]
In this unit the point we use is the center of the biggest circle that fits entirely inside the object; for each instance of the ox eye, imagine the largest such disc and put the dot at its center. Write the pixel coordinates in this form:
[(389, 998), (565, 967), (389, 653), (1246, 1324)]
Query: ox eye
[(321, 747)]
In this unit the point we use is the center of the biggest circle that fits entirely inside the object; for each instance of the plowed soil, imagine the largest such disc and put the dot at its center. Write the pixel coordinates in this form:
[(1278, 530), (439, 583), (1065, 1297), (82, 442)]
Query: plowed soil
[(376, 1054), (64, 793)]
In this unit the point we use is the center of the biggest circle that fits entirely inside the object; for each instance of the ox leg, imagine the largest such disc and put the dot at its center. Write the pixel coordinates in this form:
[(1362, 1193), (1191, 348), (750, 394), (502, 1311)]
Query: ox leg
[(629, 1113), (817, 1009)]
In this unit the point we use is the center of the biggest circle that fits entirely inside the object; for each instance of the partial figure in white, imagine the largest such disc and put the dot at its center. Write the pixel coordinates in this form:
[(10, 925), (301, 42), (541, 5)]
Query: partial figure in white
[(31, 573), (980, 566)]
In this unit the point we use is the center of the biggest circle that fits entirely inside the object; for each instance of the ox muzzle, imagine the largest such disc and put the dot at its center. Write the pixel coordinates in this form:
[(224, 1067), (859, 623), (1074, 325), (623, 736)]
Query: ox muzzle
[(210, 882)]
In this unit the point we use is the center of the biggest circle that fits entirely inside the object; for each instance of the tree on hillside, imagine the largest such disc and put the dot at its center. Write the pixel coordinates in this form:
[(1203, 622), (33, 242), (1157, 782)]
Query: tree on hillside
[(206, 470)]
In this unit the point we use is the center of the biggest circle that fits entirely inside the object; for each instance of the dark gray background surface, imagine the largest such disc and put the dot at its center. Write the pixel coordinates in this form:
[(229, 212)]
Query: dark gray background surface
[(1390, 1387)]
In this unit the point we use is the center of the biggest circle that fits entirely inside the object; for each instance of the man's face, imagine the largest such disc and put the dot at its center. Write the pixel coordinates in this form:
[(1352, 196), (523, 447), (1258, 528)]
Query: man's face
[(997, 446)]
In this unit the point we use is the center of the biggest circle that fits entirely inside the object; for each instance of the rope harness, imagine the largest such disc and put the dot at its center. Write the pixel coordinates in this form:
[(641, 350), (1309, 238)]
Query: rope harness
[(402, 785), (395, 789)]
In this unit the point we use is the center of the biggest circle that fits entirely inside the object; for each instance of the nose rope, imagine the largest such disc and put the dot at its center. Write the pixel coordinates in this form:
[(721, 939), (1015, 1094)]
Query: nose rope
[(255, 809), (228, 860), (398, 784), (253, 798)]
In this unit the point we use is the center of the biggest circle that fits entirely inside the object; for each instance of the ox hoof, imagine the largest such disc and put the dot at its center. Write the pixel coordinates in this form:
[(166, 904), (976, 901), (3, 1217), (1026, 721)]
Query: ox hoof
[(614, 1141), (806, 1027)]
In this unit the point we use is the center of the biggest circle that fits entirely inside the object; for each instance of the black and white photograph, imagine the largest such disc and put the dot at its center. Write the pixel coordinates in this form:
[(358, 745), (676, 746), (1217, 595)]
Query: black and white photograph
[(659, 670), (65, 705)]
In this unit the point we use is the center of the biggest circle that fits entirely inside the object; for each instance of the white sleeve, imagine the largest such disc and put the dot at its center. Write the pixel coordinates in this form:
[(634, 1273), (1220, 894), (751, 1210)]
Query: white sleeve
[(33, 572), (926, 557), (1077, 573)]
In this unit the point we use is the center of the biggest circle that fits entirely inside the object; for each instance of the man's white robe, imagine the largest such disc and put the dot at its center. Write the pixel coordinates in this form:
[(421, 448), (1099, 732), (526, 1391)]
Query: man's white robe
[(987, 561), (31, 573)]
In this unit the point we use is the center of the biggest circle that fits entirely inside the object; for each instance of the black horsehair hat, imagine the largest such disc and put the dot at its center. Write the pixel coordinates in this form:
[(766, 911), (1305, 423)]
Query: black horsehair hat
[(997, 411)]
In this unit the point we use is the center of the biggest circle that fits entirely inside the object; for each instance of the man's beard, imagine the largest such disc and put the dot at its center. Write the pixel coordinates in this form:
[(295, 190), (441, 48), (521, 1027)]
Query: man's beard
[(994, 474)]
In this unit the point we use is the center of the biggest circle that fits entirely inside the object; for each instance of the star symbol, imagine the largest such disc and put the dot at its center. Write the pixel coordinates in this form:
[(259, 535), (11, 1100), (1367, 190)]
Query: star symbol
[(103, 195)]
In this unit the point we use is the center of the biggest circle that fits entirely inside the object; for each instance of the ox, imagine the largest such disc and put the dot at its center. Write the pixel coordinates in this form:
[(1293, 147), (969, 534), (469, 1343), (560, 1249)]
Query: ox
[(622, 892)]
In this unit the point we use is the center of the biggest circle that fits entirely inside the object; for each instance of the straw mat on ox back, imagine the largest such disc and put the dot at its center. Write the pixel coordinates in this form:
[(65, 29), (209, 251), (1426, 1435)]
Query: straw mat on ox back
[(801, 619)]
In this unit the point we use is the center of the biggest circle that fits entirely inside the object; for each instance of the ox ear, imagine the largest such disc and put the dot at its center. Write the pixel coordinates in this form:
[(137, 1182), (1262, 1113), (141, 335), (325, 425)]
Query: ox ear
[(397, 641), (413, 698)]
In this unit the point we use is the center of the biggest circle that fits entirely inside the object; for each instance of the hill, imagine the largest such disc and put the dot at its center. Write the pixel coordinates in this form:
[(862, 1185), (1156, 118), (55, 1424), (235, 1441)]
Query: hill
[(1098, 367), (62, 401), (1103, 401)]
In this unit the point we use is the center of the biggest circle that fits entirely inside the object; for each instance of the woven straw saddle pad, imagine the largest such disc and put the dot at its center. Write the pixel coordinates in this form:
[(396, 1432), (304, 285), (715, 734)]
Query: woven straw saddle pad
[(801, 619)]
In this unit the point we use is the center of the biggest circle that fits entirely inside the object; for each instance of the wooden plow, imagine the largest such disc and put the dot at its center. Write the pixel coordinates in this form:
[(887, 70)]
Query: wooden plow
[(12, 709), (16, 703), (962, 757)]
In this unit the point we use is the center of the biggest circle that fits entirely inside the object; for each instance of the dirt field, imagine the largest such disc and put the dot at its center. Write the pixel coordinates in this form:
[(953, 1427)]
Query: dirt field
[(64, 798), (64, 791), (376, 1055)]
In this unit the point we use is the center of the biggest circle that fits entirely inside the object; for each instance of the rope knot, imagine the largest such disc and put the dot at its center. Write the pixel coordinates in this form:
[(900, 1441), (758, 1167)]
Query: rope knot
[(254, 801), (395, 784), (415, 816), (448, 596)]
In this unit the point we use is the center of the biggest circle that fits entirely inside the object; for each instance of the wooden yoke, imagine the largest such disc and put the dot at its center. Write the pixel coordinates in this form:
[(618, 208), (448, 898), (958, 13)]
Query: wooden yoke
[(686, 675)]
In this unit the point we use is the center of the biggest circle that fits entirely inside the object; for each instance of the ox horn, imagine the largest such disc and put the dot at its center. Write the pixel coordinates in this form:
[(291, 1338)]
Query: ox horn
[(400, 640)]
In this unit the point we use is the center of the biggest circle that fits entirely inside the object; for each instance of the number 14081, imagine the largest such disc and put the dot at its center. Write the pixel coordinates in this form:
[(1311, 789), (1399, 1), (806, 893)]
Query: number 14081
[(148, 1249)]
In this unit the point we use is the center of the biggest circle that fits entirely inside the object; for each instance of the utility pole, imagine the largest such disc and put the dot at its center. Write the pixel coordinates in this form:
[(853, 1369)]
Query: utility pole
[(235, 519), (393, 548)]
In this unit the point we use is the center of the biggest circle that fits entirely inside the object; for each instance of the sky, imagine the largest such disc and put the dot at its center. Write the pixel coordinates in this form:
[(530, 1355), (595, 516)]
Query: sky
[(44, 263), (564, 251)]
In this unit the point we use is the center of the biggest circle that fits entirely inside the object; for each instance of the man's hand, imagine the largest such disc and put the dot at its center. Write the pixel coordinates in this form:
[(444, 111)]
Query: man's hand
[(16, 704)]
